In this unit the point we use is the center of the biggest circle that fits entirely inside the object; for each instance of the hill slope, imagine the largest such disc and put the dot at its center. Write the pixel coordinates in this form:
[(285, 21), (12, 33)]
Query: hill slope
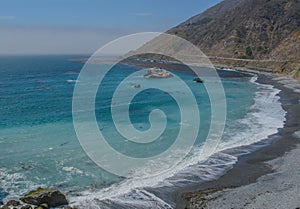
[(251, 29), (263, 33)]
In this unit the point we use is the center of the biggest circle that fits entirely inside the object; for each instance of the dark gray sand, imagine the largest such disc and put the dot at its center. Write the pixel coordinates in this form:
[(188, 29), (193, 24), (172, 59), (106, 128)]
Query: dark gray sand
[(266, 178)]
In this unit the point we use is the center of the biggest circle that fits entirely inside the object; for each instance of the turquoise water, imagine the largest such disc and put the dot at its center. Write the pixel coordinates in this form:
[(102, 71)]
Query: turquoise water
[(38, 144)]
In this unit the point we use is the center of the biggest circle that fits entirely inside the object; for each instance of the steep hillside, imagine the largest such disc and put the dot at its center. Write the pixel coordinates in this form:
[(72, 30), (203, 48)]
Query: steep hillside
[(247, 29)]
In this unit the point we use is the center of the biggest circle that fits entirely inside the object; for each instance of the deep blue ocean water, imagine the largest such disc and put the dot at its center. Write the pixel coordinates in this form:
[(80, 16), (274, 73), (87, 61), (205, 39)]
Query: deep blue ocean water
[(39, 147)]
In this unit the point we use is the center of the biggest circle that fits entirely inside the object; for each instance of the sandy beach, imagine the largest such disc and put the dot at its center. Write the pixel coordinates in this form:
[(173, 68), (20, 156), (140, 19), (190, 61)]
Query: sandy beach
[(266, 178)]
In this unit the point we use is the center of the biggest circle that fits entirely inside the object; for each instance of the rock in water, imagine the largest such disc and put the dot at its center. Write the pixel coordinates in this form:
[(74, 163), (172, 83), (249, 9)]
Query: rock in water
[(198, 80), (51, 197), (137, 86), (157, 73)]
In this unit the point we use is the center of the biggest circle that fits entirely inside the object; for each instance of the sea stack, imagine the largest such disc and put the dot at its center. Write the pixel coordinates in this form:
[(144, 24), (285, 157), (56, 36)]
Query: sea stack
[(157, 73)]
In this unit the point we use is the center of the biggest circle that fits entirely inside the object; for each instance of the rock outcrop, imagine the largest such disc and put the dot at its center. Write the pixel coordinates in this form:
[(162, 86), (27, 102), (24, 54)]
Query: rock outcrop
[(13, 203), (51, 197)]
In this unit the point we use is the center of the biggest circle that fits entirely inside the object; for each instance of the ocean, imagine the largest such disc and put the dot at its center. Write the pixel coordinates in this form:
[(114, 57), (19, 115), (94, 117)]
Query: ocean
[(39, 146)]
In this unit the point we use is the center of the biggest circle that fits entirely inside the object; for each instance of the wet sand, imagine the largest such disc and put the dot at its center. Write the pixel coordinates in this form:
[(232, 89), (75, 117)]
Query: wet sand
[(266, 178)]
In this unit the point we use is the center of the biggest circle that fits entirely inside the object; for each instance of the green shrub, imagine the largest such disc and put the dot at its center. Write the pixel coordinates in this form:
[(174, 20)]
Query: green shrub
[(249, 52)]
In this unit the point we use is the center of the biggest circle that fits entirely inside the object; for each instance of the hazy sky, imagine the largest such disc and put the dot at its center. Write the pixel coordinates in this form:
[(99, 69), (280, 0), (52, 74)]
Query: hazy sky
[(82, 26)]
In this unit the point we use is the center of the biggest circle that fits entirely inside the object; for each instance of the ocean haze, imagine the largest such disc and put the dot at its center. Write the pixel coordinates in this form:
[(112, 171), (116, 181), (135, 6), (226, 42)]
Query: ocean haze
[(26, 40), (81, 27)]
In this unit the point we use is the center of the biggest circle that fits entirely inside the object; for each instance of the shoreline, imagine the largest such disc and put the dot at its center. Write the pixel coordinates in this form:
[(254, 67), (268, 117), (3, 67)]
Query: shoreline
[(252, 166), (254, 169), (244, 65)]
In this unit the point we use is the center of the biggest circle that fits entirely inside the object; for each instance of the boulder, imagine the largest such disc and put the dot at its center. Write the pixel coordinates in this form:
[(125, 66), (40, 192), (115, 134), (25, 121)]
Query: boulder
[(51, 197), (42, 206), (13, 203)]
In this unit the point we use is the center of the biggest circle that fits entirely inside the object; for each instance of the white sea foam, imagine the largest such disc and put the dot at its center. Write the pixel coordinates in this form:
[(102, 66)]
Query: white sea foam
[(73, 170), (71, 81), (15, 184), (130, 193), (289, 83), (228, 69), (297, 134), (265, 117), (138, 198)]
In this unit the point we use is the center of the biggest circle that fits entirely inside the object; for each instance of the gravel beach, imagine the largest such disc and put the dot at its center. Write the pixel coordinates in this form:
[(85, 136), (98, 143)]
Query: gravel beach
[(266, 178)]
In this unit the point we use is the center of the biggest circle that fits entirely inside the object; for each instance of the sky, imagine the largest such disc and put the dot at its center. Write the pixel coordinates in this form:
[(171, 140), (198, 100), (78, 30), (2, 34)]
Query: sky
[(83, 26)]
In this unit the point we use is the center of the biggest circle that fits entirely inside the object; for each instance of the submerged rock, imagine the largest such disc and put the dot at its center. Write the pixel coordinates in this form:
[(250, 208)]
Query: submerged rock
[(51, 197), (137, 86)]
